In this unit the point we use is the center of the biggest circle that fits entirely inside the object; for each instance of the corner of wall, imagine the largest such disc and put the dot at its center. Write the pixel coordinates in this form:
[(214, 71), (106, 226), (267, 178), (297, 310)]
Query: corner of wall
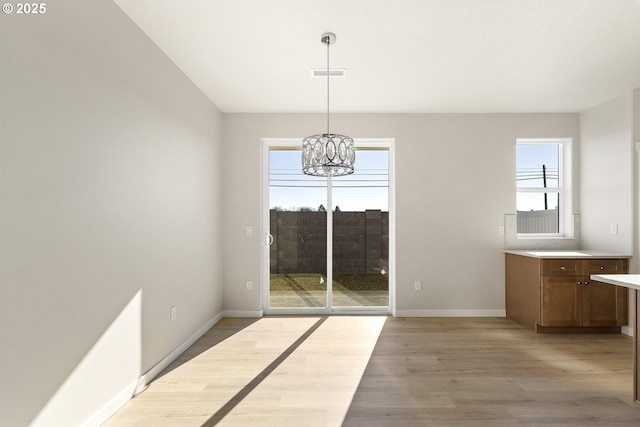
[(148, 376)]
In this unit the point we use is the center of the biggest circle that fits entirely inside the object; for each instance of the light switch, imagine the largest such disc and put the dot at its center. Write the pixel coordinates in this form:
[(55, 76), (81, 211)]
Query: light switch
[(613, 228), (501, 230), (417, 285)]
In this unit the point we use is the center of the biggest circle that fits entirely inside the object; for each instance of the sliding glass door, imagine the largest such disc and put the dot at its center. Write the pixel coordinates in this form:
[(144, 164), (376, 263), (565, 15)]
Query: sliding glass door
[(297, 233), (327, 240), (360, 207)]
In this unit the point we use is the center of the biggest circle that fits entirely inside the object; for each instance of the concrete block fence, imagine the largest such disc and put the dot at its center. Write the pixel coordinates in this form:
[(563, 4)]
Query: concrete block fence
[(360, 242)]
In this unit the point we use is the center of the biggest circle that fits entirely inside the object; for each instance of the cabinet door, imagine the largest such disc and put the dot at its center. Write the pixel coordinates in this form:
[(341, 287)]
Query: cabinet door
[(561, 302), (603, 304)]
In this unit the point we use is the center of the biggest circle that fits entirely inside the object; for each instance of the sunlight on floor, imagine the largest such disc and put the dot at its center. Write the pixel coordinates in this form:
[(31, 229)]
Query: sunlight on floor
[(268, 373), (315, 385), (582, 371)]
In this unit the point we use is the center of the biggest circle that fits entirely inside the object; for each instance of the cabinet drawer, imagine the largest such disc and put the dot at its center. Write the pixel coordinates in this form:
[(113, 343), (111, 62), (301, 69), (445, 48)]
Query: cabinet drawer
[(606, 266), (561, 267)]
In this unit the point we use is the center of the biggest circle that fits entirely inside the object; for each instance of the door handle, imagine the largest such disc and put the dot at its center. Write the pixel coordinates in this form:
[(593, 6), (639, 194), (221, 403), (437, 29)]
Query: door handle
[(268, 239)]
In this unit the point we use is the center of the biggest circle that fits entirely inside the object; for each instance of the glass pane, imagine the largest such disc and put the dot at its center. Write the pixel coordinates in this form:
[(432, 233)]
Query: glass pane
[(361, 232), (537, 165), (537, 169), (298, 224), (537, 212)]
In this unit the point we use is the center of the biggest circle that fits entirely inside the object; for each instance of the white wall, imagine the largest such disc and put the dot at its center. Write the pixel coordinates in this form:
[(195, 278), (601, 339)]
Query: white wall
[(109, 210), (635, 261), (634, 264), (606, 175), (447, 165)]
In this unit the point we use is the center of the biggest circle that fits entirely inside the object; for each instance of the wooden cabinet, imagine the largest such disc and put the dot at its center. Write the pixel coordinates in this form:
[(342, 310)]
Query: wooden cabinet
[(558, 295)]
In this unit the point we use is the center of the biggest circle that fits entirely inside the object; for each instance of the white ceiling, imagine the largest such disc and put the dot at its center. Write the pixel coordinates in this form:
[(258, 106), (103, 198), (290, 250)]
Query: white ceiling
[(401, 56)]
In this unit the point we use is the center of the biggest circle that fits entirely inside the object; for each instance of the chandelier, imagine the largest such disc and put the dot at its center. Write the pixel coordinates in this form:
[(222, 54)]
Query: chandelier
[(328, 154)]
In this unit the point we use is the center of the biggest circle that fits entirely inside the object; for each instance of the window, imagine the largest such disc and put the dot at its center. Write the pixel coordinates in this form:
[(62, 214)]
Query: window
[(543, 199)]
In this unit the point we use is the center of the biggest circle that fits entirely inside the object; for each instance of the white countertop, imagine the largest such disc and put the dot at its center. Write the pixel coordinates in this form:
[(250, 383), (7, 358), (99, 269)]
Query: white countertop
[(559, 254), (631, 281)]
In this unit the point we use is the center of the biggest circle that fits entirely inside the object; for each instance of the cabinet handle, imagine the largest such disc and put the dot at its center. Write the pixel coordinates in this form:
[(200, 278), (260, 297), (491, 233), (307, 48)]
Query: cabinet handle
[(586, 283), (602, 267), (562, 267), (579, 283)]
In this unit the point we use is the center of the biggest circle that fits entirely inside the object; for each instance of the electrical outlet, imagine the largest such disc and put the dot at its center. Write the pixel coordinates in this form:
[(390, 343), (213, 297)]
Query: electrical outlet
[(501, 230), (173, 313), (417, 285), (249, 285), (249, 230)]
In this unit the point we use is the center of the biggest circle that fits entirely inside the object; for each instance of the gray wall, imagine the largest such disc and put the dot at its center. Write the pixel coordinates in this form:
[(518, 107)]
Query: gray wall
[(109, 210), (606, 175), (635, 262), (447, 165), (609, 178)]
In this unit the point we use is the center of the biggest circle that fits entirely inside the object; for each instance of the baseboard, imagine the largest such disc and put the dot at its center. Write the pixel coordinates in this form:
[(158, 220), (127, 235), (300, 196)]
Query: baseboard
[(627, 330), (110, 408), (243, 313), (451, 313), (148, 376)]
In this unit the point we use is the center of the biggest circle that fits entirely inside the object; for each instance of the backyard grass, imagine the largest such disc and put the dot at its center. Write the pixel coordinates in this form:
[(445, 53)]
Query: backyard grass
[(317, 282)]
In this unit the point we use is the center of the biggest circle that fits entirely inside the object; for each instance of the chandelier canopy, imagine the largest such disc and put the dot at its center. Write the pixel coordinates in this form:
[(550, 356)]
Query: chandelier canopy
[(328, 154)]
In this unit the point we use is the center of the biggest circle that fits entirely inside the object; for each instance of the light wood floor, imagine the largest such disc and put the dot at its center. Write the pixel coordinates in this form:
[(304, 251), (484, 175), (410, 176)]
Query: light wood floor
[(384, 371)]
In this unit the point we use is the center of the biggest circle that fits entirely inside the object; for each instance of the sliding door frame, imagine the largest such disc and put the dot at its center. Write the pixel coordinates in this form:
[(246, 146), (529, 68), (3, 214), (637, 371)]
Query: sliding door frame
[(296, 143)]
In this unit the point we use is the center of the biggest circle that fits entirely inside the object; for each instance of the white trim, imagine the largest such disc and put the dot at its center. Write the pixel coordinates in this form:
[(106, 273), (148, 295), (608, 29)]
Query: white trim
[(243, 313), (148, 376), (111, 407), (265, 223), (392, 225), (627, 330), (367, 310), (451, 313), (389, 144), (296, 311), (137, 386), (322, 311), (564, 188)]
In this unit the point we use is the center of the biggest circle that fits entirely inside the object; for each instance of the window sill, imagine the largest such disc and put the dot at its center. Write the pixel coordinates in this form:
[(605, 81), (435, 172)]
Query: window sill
[(543, 237)]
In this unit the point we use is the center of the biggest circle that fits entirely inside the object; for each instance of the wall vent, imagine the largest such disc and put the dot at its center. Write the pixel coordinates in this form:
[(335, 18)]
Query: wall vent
[(333, 72)]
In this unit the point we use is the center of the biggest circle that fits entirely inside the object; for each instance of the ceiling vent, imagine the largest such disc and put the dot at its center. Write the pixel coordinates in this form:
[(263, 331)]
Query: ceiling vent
[(334, 72)]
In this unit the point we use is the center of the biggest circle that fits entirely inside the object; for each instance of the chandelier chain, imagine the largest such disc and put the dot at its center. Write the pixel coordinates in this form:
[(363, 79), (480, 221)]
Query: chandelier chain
[(328, 41), (328, 154)]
